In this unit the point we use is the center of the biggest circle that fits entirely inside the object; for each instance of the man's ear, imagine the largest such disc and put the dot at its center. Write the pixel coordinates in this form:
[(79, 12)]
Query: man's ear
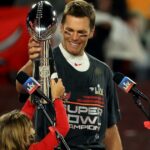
[(92, 33)]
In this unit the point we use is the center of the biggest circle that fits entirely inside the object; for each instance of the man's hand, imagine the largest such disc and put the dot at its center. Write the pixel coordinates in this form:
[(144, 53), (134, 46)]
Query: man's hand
[(35, 49)]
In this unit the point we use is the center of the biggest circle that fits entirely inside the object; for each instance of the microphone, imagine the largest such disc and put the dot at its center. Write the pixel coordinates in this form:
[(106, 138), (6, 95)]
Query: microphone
[(128, 85), (31, 85), (23, 97)]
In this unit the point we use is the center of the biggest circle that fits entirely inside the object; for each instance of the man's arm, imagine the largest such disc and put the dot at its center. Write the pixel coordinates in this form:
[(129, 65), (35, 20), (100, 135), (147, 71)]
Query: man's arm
[(112, 139), (27, 68), (34, 53)]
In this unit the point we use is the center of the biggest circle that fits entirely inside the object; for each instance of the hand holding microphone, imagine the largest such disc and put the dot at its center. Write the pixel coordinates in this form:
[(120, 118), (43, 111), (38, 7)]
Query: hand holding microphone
[(32, 87), (57, 89)]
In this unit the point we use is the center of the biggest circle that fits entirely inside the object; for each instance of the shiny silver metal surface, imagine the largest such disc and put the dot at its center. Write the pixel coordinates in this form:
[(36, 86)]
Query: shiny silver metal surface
[(42, 24), (42, 21)]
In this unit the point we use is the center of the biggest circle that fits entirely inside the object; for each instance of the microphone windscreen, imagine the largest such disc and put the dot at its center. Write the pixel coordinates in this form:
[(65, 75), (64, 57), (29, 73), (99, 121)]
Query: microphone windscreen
[(22, 77), (118, 77), (23, 97)]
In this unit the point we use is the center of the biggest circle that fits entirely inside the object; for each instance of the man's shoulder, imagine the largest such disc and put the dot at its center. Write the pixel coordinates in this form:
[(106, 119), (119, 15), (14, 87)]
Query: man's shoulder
[(97, 61), (56, 51)]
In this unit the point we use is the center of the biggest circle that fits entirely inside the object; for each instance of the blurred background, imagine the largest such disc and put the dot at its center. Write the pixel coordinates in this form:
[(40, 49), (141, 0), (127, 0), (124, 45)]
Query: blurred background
[(121, 39)]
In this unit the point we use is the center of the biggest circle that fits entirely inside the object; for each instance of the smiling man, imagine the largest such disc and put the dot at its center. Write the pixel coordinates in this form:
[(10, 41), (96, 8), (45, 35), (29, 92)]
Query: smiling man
[(92, 104), (76, 33)]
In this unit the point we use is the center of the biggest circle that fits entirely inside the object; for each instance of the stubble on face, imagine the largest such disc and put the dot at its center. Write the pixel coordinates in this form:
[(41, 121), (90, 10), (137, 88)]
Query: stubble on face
[(76, 32)]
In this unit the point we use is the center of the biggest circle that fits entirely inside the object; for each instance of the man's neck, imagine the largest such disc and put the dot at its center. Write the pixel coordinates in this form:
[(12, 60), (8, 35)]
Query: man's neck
[(80, 63)]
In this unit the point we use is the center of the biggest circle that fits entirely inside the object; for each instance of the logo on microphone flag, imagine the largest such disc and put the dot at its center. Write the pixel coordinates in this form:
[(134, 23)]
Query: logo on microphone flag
[(126, 84), (31, 85)]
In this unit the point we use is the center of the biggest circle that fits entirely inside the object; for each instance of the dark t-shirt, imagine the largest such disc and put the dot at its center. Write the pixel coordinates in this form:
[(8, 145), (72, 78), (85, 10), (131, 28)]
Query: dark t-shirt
[(92, 104)]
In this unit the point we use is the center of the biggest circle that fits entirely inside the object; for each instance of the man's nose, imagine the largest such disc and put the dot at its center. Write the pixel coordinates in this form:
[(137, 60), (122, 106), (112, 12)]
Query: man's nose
[(75, 36)]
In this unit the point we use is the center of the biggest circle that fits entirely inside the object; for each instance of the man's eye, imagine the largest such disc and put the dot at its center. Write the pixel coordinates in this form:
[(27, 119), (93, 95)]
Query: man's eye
[(83, 35), (67, 32)]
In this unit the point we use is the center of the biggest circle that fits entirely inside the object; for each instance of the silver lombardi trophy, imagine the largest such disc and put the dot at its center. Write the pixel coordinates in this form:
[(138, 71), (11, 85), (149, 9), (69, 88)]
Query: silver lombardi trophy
[(42, 24)]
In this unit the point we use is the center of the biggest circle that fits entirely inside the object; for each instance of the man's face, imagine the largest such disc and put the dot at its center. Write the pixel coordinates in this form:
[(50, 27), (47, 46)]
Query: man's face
[(76, 32)]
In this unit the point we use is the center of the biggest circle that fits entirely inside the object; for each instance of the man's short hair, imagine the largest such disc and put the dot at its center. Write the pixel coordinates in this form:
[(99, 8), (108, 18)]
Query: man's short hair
[(80, 8)]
